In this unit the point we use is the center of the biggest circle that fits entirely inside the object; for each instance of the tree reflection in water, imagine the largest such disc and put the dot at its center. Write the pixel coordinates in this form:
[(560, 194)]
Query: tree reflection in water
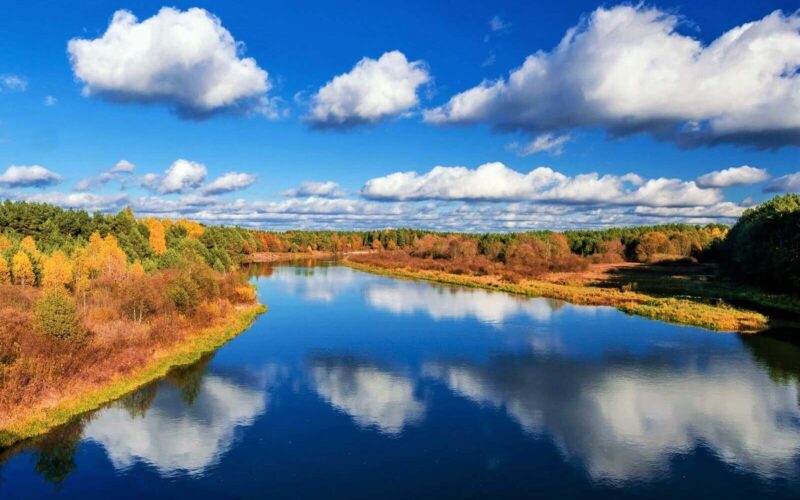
[(54, 452)]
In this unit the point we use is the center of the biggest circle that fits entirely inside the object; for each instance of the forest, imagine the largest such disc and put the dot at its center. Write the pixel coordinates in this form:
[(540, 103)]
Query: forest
[(87, 299)]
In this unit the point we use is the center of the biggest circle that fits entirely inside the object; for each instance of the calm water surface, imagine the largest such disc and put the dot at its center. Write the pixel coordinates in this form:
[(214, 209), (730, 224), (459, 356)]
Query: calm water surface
[(360, 386)]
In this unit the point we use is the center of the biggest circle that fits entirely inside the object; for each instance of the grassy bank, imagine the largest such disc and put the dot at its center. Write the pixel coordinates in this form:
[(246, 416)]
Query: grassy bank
[(673, 310), (700, 281), (39, 420)]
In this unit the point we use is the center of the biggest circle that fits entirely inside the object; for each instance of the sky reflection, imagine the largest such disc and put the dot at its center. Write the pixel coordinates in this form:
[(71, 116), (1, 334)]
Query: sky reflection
[(625, 419), (176, 436)]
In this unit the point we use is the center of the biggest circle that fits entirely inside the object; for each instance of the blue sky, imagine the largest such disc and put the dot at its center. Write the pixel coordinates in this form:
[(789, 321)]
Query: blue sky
[(615, 127)]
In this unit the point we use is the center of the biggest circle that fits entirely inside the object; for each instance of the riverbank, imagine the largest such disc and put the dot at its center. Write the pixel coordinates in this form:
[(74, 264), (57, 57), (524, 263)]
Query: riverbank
[(38, 420), (673, 310)]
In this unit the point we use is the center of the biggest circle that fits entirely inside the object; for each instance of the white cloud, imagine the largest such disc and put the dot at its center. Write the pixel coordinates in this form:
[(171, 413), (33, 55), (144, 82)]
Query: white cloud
[(149, 181), (327, 189), (496, 182), (785, 184), (723, 210), (186, 60), (550, 143), (29, 176), (13, 83), (627, 69), (117, 172), (90, 202), (734, 176), (50, 101), (372, 91), (343, 213), (497, 24), (231, 181), (123, 167), (182, 176)]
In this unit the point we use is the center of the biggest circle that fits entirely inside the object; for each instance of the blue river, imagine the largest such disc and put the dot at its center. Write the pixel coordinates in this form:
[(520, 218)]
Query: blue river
[(361, 386)]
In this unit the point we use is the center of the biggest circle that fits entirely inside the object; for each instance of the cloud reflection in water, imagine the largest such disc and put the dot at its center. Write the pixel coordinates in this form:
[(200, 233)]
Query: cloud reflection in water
[(371, 395), (457, 303), (626, 419), (176, 437)]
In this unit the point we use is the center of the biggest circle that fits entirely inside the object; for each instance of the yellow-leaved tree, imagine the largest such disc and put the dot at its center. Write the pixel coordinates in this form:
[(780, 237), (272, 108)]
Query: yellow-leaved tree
[(5, 244), (158, 238), (193, 229), (22, 269), (81, 272), (136, 270), (29, 245), (113, 258), (57, 270), (5, 273), (104, 257)]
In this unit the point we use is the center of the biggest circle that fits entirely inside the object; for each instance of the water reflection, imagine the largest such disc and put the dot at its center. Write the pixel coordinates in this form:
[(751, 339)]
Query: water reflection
[(183, 427), (373, 396), (315, 284), (778, 351), (441, 302), (626, 418)]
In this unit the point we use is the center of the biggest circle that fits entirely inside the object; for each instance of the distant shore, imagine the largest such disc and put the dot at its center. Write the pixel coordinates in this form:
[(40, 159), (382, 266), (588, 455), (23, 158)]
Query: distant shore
[(673, 310)]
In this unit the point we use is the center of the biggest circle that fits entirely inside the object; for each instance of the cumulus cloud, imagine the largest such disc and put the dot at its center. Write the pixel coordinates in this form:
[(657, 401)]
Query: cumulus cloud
[(50, 101), (785, 184), (149, 181), (117, 172), (186, 60), (628, 70), (181, 176), (327, 189), (226, 183), (13, 83), (123, 167), (496, 182), (372, 91), (28, 176), (734, 176)]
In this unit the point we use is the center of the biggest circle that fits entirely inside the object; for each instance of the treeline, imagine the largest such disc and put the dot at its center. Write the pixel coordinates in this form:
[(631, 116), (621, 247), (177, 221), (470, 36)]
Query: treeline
[(640, 243), (153, 245), (514, 255)]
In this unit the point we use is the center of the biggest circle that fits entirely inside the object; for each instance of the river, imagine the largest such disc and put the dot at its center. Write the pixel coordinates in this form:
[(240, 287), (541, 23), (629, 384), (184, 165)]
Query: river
[(361, 386)]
